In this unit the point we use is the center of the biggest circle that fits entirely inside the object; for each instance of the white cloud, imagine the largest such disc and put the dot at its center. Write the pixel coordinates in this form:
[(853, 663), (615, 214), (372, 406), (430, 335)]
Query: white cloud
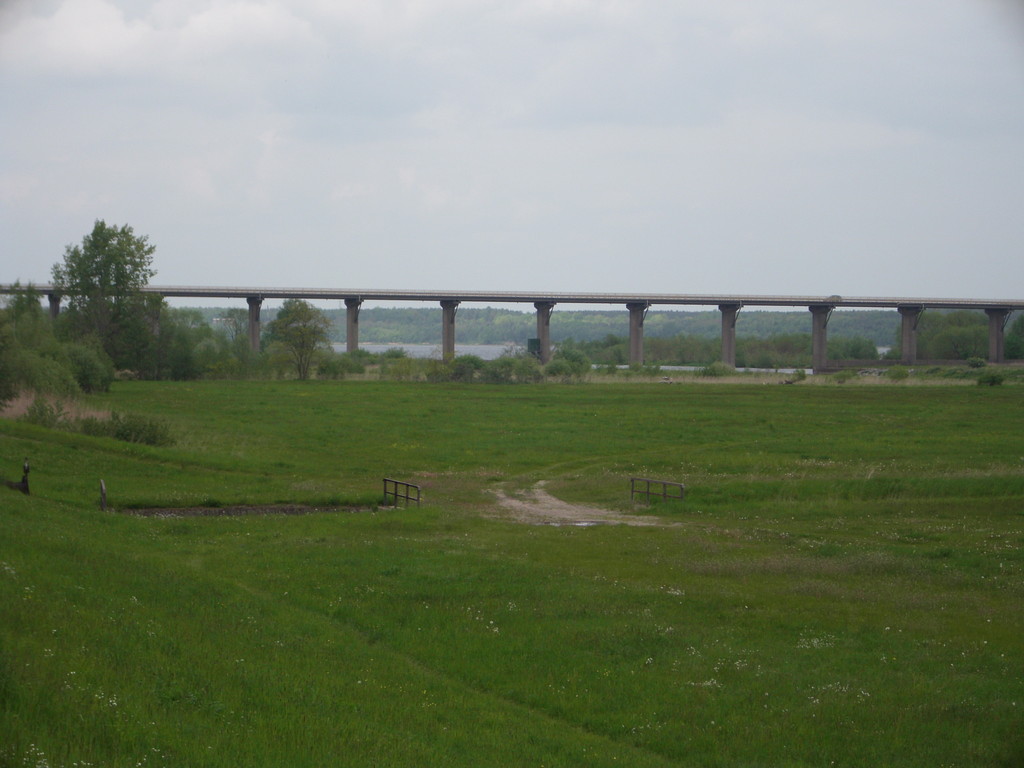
[(81, 38), (563, 144)]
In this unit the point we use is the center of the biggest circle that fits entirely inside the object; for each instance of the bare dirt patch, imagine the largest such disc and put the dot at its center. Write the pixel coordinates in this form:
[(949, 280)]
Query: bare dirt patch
[(20, 405), (538, 507)]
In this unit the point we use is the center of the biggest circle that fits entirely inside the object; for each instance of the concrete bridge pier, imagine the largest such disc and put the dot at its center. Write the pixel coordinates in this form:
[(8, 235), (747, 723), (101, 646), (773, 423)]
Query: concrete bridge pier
[(820, 314), (997, 319), (352, 324), (729, 313), (254, 302), (637, 315), (449, 309), (54, 300), (544, 329), (910, 315)]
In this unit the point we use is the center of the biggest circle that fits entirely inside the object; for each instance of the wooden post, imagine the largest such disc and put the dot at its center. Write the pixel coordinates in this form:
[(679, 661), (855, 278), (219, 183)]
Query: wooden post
[(103, 496)]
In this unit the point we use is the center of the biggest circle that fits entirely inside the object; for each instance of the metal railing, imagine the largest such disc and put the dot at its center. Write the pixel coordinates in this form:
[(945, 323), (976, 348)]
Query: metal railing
[(396, 489), (646, 489)]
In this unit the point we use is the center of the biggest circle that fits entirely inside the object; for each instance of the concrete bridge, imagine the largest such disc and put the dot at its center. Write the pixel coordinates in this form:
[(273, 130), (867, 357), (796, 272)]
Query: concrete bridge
[(820, 307)]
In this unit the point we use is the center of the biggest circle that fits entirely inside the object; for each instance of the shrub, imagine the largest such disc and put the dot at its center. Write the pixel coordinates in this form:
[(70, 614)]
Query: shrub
[(512, 370), (397, 367), (843, 376), (559, 369), (568, 364), (39, 373), (140, 429), (43, 413), (334, 366), (990, 378), (976, 362), (465, 367), (897, 373), (716, 370), (462, 369), (129, 428), (92, 368)]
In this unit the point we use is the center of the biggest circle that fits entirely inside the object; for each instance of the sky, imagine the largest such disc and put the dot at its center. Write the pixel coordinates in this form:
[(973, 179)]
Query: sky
[(795, 147)]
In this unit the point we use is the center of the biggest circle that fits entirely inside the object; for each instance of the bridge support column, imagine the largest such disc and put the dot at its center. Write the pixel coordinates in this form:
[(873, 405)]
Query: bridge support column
[(352, 324), (908, 332), (54, 300), (637, 314), (544, 329), (254, 302), (997, 317), (729, 313), (449, 309), (820, 314)]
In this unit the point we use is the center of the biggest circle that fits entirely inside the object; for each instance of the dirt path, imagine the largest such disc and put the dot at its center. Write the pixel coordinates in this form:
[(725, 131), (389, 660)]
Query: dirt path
[(538, 507)]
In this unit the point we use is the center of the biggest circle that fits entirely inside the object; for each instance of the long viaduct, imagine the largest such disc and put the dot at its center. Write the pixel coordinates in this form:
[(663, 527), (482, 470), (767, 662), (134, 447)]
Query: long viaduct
[(820, 307)]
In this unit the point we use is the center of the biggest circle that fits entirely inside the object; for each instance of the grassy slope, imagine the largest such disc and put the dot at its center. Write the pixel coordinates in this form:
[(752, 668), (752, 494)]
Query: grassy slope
[(844, 584)]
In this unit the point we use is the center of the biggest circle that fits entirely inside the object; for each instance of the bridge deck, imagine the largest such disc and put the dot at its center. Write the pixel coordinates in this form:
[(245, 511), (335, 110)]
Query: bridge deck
[(529, 297)]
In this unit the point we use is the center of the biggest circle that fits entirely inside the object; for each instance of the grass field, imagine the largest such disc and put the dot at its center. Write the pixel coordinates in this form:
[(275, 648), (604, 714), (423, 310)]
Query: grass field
[(843, 584)]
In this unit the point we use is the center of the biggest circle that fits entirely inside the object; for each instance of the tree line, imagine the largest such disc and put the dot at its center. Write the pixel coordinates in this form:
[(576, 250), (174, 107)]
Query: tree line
[(111, 328), (500, 326)]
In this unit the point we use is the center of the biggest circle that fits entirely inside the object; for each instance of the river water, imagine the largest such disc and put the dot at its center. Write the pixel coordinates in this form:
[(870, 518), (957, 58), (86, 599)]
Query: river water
[(494, 351), (483, 351)]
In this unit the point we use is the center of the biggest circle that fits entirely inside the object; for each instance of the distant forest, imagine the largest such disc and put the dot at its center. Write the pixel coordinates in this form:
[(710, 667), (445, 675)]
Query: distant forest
[(487, 325)]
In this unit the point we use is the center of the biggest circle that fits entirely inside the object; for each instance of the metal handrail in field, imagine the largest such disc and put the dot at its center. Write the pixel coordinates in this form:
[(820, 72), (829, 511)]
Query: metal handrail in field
[(661, 489), (396, 489)]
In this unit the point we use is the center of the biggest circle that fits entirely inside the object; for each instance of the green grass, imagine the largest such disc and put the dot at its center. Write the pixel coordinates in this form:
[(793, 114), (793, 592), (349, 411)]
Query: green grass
[(843, 583)]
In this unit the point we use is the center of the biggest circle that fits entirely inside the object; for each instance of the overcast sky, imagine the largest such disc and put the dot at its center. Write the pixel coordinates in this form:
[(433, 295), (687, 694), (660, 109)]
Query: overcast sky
[(868, 148)]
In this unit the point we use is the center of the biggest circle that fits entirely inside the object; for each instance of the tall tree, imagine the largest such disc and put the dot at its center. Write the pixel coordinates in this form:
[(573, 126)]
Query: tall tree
[(300, 330), (956, 335), (8, 385), (101, 279)]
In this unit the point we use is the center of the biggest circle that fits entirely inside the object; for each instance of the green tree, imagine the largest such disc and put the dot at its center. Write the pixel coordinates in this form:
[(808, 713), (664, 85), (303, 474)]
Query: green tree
[(956, 335), (1014, 349), (33, 359), (299, 331), (101, 279), (8, 387), (852, 348)]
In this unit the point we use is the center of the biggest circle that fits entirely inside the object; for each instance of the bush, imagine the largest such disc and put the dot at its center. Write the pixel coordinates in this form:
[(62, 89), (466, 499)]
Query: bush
[(570, 364), (990, 378), (466, 367), (462, 369), (8, 389), (92, 368), (129, 428), (43, 413), (716, 370), (38, 373), (397, 367), (559, 369), (976, 362), (897, 373), (512, 370), (335, 366)]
